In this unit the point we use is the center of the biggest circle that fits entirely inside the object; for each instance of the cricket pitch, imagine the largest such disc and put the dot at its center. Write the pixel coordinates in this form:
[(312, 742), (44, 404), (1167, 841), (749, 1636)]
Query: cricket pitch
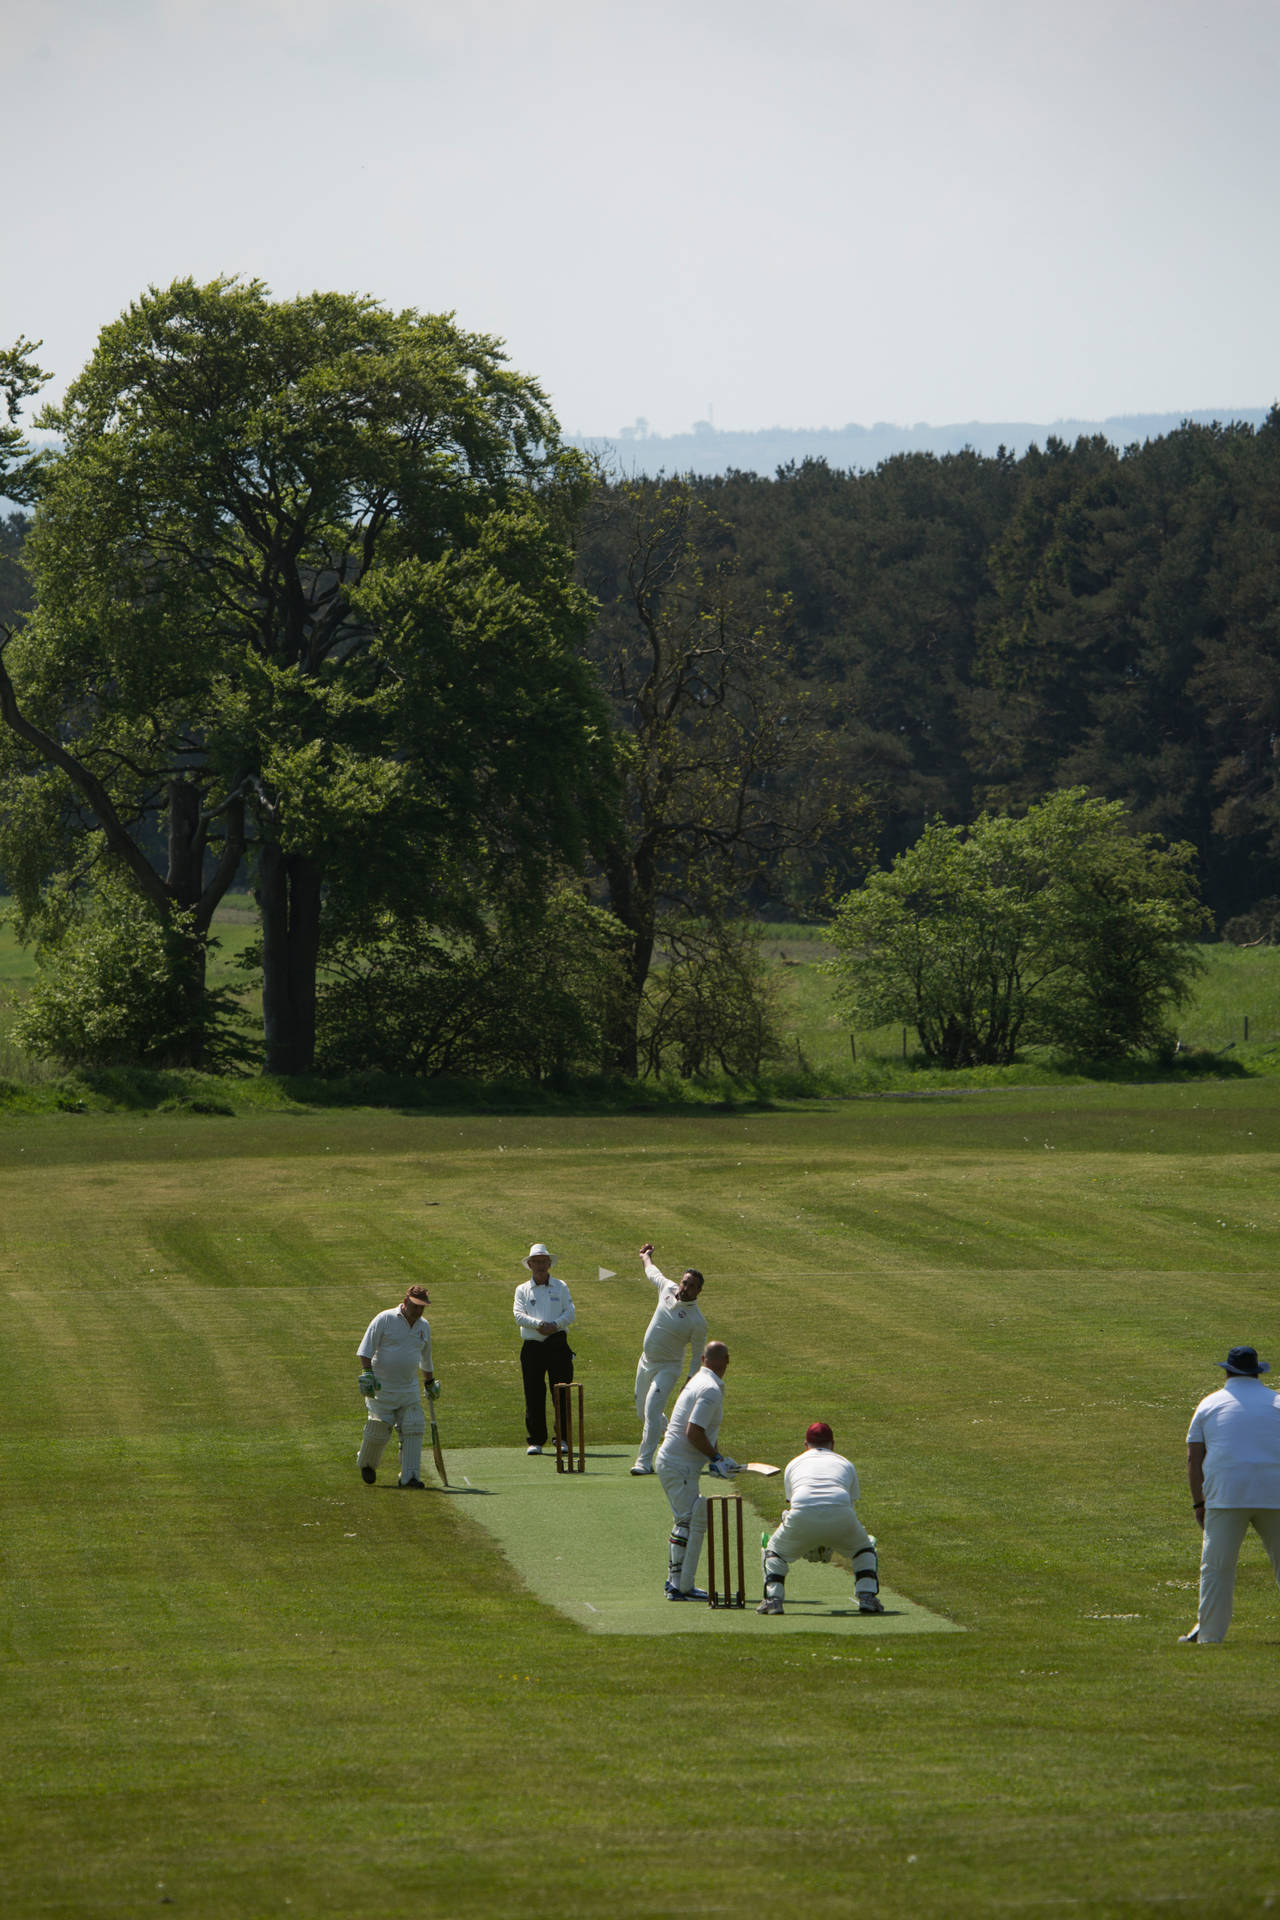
[(594, 1547)]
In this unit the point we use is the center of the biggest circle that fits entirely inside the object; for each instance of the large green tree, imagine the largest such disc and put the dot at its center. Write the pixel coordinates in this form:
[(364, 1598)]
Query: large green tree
[(20, 378), (1060, 927), (305, 595)]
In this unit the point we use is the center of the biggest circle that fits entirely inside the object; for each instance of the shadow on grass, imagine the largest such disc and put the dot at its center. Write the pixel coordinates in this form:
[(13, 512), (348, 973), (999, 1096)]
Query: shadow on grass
[(143, 1090)]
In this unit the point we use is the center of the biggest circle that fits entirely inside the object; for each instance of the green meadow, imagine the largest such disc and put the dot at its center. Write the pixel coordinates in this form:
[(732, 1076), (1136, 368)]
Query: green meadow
[(237, 1682), (1235, 1010)]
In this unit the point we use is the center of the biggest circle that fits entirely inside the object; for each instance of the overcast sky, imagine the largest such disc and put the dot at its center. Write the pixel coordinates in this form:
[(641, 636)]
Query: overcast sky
[(788, 212)]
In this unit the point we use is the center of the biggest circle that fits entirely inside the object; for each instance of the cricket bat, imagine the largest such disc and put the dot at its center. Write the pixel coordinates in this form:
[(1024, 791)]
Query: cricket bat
[(760, 1466), (435, 1449)]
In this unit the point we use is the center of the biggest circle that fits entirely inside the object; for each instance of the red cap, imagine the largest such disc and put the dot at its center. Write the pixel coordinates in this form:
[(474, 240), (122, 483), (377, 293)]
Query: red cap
[(819, 1435)]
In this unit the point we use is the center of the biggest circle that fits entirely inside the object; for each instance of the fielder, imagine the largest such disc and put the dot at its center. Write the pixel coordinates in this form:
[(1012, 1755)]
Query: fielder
[(1233, 1466), (689, 1446), (677, 1323), (821, 1488), (396, 1347)]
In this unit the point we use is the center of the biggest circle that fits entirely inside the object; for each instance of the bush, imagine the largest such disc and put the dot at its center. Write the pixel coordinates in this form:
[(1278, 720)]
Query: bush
[(714, 1003), (115, 991), (1259, 927), (524, 998)]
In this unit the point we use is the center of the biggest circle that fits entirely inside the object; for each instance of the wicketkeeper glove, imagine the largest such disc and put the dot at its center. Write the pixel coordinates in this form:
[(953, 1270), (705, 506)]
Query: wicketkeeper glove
[(724, 1468), (821, 1554), (369, 1383), (432, 1389)]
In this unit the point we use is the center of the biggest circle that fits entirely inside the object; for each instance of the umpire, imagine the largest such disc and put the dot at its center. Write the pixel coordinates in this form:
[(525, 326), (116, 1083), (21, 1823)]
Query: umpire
[(543, 1308)]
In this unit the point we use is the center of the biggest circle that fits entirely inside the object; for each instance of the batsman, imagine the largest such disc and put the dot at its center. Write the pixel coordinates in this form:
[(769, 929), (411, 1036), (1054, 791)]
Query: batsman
[(690, 1448), (395, 1349)]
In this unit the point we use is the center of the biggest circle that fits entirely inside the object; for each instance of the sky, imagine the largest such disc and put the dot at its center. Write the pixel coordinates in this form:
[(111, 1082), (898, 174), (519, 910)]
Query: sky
[(762, 214)]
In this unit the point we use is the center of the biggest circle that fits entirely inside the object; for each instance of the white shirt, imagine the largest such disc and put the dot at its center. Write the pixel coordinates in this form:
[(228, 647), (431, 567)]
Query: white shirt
[(700, 1404), (820, 1477), (676, 1324), (394, 1350), (1239, 1427), (534, 1303)]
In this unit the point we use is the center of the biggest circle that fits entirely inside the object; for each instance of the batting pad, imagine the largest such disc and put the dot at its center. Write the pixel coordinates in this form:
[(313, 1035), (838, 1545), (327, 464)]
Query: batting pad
[(594, 1546)]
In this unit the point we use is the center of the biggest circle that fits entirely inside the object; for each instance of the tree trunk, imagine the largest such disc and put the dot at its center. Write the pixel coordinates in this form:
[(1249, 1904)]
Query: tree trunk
[(188, 960), (631, 900), (185, 877), (289, 900), (195, 900)]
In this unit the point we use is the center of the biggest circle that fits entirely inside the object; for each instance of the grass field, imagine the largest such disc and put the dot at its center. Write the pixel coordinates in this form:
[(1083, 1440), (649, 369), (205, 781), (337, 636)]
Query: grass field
[(238, 1683)]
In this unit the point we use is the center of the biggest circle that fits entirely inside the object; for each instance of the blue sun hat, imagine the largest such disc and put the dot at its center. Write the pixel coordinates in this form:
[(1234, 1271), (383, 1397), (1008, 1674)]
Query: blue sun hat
[(1245, 1360)]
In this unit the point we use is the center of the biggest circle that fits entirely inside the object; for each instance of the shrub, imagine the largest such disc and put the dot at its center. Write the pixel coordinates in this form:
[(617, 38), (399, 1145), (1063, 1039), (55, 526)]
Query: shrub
[(529, 998), (712, 1005), (115, 990)]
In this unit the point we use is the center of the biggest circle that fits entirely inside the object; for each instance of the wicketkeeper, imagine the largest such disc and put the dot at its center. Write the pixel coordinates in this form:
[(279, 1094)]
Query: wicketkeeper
[(821, 1488), (689, 1448), (396, 1348)]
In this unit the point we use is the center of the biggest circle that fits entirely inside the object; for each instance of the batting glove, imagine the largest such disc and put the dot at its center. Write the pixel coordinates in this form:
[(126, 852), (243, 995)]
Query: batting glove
[(369, 1383), (724, 1468), (432, 1389)]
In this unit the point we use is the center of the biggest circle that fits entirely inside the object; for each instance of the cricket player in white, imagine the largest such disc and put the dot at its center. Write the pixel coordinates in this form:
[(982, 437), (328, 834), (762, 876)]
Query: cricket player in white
[(1233, 1466), (689, 1446), (677, 1323), (821, 1488), (396, 1347)]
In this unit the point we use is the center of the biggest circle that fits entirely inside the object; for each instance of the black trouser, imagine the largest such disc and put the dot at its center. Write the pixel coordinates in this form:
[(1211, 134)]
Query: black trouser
[(542, 1362)]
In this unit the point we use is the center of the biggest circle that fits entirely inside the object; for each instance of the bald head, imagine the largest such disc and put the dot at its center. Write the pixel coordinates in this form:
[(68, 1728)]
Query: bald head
[(716, 1356)]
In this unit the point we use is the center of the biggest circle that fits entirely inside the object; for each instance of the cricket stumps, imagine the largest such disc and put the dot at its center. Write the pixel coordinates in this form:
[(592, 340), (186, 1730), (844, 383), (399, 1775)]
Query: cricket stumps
[(562, 1405), (733, 1595)]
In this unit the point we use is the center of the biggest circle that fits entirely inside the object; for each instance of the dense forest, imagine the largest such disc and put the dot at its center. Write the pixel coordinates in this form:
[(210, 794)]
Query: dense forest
[(986, 630), (983, 630)]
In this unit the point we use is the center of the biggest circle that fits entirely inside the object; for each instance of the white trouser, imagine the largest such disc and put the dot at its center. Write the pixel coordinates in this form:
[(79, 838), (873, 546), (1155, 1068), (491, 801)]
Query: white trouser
[(801, 1529), (394, 1407), (653, 1384), (1224, 1532), (689, 1515)]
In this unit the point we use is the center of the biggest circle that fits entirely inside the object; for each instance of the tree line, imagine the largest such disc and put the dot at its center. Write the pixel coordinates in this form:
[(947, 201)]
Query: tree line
[(314, 590), (995, 629)]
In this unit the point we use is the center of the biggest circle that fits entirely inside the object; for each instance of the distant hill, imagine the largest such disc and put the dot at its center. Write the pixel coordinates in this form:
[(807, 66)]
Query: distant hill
[(708, 450)]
